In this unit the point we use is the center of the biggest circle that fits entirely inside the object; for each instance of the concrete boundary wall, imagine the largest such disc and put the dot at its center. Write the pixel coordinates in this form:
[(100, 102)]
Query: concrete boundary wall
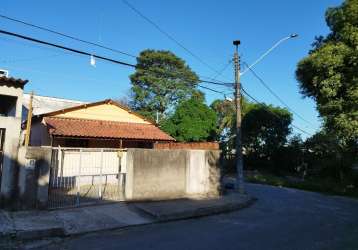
[(171, 174), (150, 175), (34, 177)]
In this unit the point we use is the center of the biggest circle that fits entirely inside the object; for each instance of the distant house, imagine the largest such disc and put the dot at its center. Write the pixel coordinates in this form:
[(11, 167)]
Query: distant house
[(100, 124), (46, 104)]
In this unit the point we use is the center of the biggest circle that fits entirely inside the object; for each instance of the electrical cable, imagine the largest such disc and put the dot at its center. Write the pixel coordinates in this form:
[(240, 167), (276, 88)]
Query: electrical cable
[(275, 95), (65, 35), (261, 103), (169, 36)]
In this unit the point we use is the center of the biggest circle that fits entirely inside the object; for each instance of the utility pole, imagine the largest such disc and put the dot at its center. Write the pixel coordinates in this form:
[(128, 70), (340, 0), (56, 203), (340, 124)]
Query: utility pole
[(239, 160), (29, 120)]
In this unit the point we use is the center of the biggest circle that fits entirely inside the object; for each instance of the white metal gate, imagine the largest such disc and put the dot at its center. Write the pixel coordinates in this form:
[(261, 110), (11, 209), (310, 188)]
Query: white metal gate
[(82, 176)]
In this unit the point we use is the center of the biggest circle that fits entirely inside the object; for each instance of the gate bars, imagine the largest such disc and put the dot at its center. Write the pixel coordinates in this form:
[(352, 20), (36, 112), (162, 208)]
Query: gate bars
[(82, 176)]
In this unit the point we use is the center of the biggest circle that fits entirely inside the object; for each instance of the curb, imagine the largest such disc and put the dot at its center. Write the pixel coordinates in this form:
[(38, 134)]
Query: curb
[(32, 234), (27, 235), (200, 212), (40, 233), (207, 211)]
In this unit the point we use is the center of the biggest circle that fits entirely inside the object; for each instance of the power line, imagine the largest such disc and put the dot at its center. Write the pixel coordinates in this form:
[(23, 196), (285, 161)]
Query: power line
[(275, 95), (213, 90), (66, 48), (77, 51), (123, 63), (89, 54), (222, 70), (67, 36), (261, 103), (169, 36), (92, 43), (227, 84)]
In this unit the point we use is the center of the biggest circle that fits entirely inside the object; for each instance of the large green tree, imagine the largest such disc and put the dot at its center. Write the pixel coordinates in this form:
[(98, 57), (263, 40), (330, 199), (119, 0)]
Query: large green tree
[(160, 82), (264, 131), (192, 121), (329, 74)]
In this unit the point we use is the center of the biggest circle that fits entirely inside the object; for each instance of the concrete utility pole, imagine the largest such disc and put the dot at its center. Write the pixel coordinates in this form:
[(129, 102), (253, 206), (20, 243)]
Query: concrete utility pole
[(239, 161)]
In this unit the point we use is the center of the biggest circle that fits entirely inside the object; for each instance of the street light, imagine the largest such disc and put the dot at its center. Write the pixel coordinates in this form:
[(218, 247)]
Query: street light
[(269, 51), (239, 159)]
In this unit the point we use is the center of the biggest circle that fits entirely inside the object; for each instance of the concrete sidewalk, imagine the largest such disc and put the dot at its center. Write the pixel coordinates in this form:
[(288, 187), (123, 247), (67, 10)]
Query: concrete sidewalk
[(40, 224)]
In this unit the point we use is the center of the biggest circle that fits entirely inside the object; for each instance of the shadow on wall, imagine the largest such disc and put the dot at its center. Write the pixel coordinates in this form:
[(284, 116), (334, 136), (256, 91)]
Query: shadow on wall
[(43, 185), (214, 159), (8, 177), (153, 175)]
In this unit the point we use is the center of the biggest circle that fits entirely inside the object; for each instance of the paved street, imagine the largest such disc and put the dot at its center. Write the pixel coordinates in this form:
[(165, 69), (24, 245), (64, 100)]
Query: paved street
[(280, 219)]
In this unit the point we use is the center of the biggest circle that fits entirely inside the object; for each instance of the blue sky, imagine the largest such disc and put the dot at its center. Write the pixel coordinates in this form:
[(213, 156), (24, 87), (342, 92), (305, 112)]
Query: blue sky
[(206, 27)]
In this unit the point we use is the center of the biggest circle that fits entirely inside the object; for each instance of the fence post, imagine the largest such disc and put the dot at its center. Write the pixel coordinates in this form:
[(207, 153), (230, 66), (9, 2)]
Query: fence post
[(100, 176), (78, 181)]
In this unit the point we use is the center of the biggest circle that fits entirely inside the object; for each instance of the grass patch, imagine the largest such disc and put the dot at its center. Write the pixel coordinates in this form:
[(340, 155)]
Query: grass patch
[(327, 186)]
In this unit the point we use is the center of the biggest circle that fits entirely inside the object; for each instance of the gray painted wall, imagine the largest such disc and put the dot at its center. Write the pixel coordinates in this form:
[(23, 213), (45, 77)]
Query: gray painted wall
[(34, 177), (172, 174), (11, 145), (12, 134), (150, 175)]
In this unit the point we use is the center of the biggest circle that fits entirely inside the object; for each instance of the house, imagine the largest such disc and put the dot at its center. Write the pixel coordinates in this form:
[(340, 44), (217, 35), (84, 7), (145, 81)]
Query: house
[(103, 124), (46, 104), (11, 91)]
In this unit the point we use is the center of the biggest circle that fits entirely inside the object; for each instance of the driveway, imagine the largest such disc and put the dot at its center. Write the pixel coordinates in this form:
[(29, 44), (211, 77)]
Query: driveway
[(282, 218)]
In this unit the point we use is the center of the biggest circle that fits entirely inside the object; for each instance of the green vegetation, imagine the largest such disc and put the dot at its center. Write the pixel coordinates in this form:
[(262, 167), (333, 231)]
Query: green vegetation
[(329, 74), (327, 186), (192, 121), (264, 134), (161, 81)]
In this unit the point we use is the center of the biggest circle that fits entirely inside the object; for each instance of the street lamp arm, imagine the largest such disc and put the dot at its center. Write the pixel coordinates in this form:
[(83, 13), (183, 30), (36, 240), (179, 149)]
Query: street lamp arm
[(268, 52)]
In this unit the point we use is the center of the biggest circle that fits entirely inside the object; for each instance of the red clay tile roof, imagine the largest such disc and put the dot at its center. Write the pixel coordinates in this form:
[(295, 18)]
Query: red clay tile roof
[(10, 81), (104, 129)]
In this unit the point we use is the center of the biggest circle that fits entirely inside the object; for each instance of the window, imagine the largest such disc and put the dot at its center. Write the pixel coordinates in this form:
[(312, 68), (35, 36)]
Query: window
[(8, 105)]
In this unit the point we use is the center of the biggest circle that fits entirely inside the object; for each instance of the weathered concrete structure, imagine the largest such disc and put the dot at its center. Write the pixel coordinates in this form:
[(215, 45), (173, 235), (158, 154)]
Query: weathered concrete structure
[(171, 174), (11, 91)]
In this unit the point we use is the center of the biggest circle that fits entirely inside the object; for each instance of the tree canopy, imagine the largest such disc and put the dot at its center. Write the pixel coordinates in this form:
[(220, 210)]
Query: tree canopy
[(192, 121), (265, 128), (329, 74), (226, 122), (160, 82)]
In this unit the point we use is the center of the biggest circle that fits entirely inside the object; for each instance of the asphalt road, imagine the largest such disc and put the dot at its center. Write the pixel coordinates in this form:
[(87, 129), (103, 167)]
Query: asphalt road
[(280, 219)]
